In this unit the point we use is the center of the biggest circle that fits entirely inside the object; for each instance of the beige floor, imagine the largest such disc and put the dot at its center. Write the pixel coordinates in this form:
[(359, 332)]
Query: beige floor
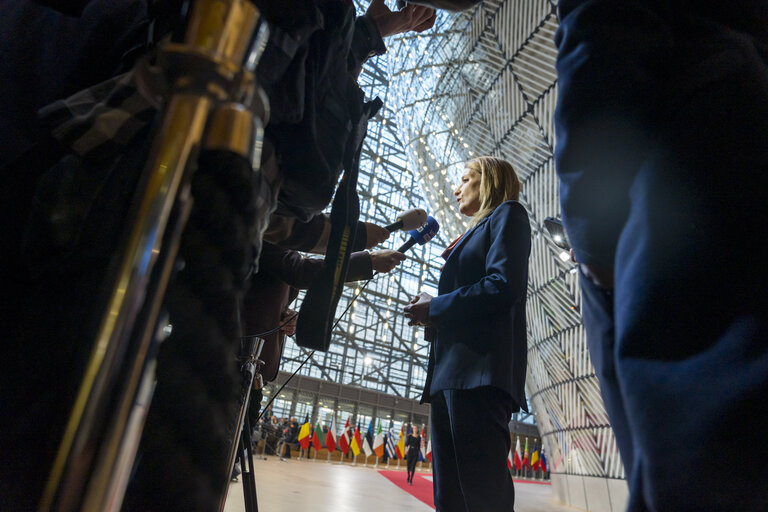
[(295, 485)]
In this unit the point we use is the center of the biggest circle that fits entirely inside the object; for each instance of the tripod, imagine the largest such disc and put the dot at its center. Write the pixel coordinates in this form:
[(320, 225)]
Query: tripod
[(250, 349), (211, 116)]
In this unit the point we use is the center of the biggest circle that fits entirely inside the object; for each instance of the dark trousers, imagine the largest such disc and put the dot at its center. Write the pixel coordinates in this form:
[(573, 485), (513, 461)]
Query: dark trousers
[(682, 358), (597, 317), (412, 458), (470, 443)]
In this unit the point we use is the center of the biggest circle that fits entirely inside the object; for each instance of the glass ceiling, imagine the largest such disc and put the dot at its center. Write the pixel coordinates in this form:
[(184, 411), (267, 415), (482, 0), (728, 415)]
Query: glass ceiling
[(479, 82)]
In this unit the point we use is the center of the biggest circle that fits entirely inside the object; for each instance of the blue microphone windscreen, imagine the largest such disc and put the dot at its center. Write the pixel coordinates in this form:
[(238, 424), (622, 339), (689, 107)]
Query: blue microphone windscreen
[(426, 231)]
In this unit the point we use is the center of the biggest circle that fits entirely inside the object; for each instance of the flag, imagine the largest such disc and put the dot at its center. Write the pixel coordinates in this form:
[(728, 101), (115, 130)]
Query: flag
[(400, 450), (423, 447), (535, 457), (509, 458), (368, 441), (378, 442), (344, 439), (355, 444), (543, 461), (429, 450), (525, 454), (316, 437), (304, 435), (518, 461), (330, 437), (390, 444)]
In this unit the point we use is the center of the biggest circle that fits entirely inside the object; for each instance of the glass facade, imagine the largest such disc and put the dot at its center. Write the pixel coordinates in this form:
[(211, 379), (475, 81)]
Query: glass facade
[(481, 82), (372, 345)]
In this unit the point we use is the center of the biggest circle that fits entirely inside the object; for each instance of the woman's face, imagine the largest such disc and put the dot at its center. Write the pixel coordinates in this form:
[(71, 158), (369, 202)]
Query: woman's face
[(468, 192)]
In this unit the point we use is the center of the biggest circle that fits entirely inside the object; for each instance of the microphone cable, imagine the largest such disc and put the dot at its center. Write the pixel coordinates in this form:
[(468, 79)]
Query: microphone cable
[(275, 329)]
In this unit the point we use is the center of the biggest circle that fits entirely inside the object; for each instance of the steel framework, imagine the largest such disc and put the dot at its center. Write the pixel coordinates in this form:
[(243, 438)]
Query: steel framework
[(484, 82), (480, 82)]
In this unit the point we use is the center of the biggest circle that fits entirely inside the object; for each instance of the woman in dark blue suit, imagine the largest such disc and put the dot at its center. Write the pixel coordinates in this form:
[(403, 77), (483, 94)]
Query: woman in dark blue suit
[(477, 360)]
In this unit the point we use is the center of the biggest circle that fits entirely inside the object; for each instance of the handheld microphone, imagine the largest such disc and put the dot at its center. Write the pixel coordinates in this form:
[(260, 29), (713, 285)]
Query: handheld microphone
[(408, 220), (422, 234)]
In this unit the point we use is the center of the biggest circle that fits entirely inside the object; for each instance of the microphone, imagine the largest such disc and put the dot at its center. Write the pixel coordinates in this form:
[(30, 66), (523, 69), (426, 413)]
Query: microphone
[(408, 220), (422, 234)]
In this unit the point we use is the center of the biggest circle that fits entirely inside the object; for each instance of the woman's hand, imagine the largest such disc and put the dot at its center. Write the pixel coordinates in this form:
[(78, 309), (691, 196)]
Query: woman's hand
[(417, 312)]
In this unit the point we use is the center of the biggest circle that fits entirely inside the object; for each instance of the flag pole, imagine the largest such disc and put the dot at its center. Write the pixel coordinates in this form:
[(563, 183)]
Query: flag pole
[(329, 456)]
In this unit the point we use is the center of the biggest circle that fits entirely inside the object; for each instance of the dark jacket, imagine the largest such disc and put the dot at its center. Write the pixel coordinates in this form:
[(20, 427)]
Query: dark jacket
[(412, 444), (615, 96), (479, 314)]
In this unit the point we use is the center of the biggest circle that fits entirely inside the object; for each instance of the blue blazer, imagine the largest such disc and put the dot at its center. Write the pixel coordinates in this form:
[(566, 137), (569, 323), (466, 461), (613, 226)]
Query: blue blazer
[(478, 317)]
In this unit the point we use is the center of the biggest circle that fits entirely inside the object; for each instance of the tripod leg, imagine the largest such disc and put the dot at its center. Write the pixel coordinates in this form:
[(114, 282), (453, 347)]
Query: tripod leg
[(249, 478)]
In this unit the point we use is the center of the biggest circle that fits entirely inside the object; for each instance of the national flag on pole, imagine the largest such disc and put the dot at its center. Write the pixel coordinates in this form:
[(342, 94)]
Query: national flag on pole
[(368, 440), (535, 457), (344, 439), (518, 461), (423, 447), (525, 454), (378, 442), (429, 450), (400, 450), (355, 444), (390, 444), (304, 435), (330, 437), (543, 461), (316, 437), (509, 458)]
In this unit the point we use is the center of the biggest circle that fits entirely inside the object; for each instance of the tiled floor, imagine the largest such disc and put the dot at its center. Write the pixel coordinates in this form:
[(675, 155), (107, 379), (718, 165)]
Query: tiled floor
[(317, 485)]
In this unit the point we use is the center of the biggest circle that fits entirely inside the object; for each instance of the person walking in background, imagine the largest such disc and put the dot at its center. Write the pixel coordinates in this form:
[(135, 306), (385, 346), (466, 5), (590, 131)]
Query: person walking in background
[(291, 436), (412, 447), (477, 360)]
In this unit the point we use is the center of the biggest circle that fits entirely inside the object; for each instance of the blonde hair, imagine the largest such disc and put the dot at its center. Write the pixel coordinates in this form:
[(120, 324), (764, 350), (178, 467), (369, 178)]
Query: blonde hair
[(498, 183)]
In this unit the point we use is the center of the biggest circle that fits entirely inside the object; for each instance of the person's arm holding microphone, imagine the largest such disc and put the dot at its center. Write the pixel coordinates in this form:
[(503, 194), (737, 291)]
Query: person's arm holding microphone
[(282, 272)]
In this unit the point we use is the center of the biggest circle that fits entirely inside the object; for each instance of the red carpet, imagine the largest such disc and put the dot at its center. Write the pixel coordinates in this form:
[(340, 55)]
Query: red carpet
[(422, 487)]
